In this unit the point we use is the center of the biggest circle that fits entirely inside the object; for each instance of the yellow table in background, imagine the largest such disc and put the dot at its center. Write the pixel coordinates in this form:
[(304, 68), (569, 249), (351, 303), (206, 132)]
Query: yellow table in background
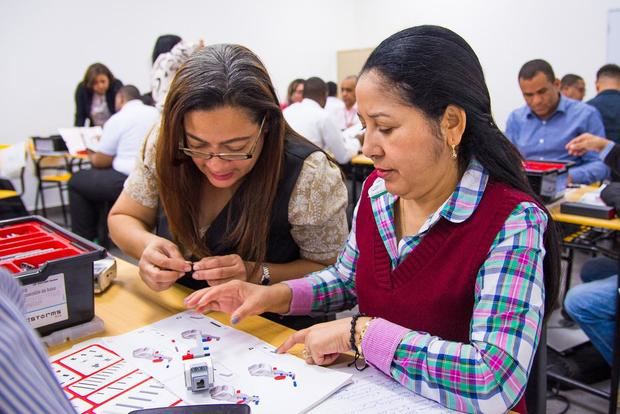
[(575, 195), (361, 166)]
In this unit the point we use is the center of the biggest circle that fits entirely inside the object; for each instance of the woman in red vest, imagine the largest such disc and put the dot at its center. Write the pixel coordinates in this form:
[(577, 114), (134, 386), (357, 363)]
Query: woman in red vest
[(452, 259)]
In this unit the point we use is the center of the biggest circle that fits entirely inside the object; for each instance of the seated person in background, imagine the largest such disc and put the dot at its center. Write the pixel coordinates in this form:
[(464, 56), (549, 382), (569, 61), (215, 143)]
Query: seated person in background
[(347, 92), (542, 128), (573, 86), (593, 304), (93, 191), (334, 105), (28, 381), (607, 100), (165, 67), (245, 196), (94, 96), (309, 119), (344, 114), (294, 93), (163, 44), (455, 321)]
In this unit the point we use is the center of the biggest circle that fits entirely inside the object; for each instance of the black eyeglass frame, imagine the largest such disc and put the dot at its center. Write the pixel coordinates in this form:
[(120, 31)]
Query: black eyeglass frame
[(226, 156)]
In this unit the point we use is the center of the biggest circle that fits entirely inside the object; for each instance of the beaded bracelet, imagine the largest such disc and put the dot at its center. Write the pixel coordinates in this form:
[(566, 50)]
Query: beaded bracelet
[(353, 346)]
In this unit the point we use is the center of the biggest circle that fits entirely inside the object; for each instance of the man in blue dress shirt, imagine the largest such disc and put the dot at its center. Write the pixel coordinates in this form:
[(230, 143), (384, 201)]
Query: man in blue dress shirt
[(542, 128)]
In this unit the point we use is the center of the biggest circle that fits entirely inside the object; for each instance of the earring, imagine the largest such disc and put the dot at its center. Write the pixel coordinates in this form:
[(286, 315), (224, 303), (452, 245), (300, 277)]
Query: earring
[(454, 155)]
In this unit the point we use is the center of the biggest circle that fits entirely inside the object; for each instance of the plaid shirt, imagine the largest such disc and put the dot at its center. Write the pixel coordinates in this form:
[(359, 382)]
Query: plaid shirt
[(488, 374)]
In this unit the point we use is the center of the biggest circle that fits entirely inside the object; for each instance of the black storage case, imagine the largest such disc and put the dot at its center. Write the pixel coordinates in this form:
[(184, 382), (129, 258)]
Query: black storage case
[(47, 249), (548, 179)]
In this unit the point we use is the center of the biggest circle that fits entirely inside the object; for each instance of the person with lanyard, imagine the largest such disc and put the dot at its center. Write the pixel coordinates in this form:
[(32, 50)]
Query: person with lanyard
[(242, 195), (453, 261), (347, 91)]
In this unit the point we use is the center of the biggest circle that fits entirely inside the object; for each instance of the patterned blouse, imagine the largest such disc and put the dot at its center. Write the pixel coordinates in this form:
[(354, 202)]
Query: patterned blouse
[(316, 210), (486, 375)]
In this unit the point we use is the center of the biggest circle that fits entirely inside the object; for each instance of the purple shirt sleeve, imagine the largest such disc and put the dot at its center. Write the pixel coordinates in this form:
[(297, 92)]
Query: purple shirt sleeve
[(380, 342), (301, 302)]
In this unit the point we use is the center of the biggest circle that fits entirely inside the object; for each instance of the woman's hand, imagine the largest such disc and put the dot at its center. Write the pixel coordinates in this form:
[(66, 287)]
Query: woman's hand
[(161, 264), (323, 342), (586, 142), (241, 299), (217, 270)]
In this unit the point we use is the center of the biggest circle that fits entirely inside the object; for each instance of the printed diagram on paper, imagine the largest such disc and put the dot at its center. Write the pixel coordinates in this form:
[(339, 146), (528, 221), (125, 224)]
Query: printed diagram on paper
[(98, 380), (246, 369)]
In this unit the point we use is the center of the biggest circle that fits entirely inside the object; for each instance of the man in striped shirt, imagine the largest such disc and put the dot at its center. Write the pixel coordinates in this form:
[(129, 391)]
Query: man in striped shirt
[(27, 381)]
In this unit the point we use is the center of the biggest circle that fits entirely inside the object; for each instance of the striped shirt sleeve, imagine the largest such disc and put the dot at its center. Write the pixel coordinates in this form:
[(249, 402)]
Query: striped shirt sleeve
[(27, 381)]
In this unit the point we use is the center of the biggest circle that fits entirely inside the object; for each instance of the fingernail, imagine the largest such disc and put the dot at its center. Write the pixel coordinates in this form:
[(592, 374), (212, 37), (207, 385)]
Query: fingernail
[(234, 320)]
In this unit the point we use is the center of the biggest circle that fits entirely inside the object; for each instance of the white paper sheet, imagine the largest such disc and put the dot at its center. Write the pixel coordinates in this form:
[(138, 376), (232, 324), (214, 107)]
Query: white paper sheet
[(247, 370), (373, 392), (81, 138)]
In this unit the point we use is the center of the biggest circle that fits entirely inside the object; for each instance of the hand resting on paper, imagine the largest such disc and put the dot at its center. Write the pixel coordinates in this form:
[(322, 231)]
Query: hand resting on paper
[(241, 299), (323, 342)]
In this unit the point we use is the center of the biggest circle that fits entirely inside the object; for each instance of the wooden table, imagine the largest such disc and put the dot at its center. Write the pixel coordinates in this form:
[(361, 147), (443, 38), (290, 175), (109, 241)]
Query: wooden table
[(129, 304)]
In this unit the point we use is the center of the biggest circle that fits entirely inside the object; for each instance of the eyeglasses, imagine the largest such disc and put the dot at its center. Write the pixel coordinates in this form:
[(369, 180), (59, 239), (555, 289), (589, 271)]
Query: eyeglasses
[(227, 156)]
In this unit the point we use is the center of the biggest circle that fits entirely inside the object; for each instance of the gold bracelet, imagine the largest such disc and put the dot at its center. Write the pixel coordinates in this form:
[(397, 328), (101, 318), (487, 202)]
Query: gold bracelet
[(362, 333)]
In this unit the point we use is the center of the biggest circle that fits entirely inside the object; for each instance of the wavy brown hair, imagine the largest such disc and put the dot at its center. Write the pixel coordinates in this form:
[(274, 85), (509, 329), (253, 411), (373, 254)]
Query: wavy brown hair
[(214, 77), (93, 71)]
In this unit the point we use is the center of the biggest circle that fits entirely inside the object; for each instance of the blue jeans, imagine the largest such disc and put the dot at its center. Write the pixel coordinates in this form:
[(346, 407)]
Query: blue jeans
[(598, 268), (593, 306)]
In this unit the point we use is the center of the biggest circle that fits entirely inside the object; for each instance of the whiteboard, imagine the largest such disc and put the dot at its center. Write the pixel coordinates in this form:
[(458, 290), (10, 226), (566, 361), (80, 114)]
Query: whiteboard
[(613, 36)]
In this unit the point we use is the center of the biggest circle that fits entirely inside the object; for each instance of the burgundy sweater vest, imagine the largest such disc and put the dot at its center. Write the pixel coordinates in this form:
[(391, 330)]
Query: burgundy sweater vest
[(433, 289)]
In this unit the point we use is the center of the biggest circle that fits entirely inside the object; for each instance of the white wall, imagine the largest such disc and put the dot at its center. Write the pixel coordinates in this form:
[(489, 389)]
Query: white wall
[(569, 34), (48, 45)]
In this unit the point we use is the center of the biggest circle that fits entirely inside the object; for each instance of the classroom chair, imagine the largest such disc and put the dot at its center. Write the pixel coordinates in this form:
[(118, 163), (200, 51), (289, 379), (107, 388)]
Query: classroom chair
[(612, 394), (52, 168), (11, 204), (536, 391)]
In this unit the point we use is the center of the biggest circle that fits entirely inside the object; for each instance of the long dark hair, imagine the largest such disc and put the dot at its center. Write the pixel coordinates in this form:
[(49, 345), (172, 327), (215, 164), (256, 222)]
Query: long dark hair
[(164, 44), (214, 77), (431, 67)]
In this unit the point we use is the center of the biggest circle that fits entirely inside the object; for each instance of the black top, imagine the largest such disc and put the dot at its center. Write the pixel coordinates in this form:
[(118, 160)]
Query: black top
[(608, 104), (281, 247), (613, 159), (84, 99), (611, 193)]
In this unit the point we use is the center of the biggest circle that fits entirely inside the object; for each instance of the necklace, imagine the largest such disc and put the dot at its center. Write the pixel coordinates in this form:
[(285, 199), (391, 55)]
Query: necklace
[(349, 115), (403, 217)]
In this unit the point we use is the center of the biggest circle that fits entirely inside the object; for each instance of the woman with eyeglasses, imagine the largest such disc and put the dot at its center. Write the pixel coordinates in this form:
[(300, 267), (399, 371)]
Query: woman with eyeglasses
[(245, 197), (453, 261)]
